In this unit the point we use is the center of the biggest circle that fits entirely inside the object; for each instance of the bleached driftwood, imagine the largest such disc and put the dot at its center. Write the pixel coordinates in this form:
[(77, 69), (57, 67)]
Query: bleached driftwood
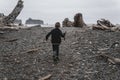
[(104, 28), (6, 28), (105, 22), (13, 15), (46, 77), (100, 27), (32, 50), (105, 25), (110, 59)]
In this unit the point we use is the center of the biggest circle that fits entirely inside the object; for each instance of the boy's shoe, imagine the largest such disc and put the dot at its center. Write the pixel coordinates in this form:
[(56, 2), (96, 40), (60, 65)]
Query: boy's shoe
[(55, 60)]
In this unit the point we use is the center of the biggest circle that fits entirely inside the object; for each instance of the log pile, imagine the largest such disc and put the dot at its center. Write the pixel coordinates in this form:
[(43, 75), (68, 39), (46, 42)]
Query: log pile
[(78, 20), (104, 24)]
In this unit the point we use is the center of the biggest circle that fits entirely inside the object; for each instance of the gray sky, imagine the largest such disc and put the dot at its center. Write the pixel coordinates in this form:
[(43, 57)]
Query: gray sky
[(52, 11)]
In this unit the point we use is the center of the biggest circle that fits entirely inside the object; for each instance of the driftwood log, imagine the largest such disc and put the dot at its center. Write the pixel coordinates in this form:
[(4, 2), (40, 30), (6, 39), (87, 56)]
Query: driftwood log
[(105, 22), (32, 50), (8, 29), (110, 59), (8, 20), (78, 20), (46, 77), (105, 25), (12, 40), (2, 32)]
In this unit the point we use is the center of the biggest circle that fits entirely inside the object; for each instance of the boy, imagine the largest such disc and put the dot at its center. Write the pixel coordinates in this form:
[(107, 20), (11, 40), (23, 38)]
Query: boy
[(56, 35)]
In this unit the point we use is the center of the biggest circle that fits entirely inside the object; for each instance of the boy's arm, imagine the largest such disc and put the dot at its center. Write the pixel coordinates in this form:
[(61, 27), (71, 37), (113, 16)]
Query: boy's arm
[(47, 36), (63, 34)]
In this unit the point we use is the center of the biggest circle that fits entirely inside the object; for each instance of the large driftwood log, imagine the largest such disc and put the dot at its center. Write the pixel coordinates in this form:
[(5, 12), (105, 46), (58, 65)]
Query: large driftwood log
[(102, 27), (99, 28), (105, 22), (78, 20), (13, 15), (8, 29), (105, 25)]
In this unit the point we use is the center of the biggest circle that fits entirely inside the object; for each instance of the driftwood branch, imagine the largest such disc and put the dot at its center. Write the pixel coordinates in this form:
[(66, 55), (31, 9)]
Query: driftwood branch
[(46, 77), (12, 40), (32, 50), (1, 32), (110, 59), (9, 29)]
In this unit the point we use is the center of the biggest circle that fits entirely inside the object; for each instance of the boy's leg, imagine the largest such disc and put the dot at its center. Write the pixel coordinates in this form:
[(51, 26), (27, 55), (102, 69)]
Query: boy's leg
[(54, 53), (57, 48)]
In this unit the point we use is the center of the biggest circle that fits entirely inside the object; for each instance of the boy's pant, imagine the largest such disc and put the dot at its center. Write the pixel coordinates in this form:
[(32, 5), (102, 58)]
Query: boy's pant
[(55, 51)]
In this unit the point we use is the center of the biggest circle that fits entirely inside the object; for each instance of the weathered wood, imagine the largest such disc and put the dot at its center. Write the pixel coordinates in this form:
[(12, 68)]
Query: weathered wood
[(105, 25), (1, 32), (46, 77), (102, 27), (89, 72), (12, 40), (111, 59), (13, 15), (32, 50), (115, 44), (9, 29)]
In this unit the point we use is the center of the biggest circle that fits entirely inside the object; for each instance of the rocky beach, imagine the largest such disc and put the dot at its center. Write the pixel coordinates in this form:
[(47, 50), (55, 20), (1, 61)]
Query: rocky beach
[(25, 55)]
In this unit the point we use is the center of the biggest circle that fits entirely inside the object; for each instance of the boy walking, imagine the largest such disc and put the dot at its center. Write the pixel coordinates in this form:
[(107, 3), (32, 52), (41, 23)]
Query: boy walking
[(56, 35)]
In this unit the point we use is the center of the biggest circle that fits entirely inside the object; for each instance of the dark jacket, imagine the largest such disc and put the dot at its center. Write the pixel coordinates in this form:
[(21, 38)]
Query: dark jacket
[(56, 35)]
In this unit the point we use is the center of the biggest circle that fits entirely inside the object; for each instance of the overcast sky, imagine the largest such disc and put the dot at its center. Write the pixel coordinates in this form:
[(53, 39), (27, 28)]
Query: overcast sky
[(52, 11)]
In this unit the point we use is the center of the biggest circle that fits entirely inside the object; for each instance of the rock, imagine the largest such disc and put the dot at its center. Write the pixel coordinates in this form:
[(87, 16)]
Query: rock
[(78, 20), (67, 23)]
